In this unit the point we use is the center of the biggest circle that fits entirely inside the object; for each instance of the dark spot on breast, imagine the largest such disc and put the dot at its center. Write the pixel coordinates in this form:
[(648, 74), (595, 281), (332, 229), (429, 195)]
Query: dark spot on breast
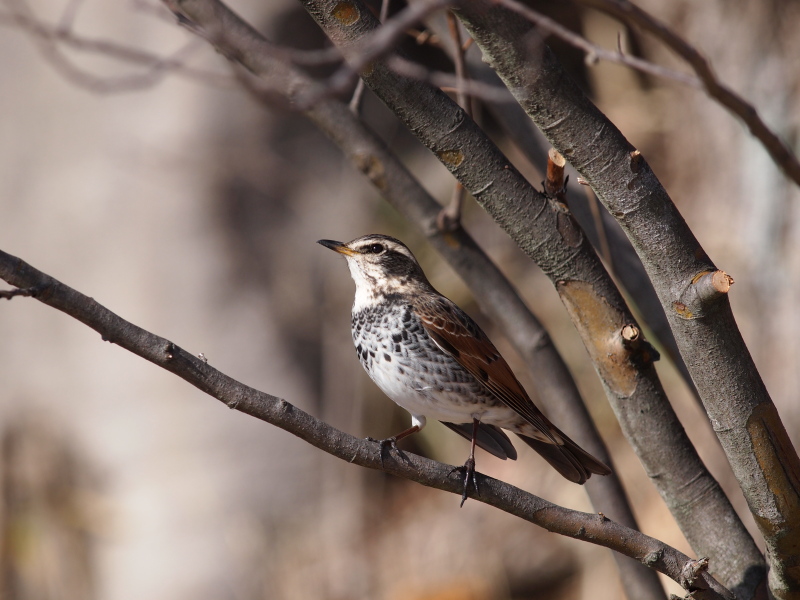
[(397, 348), (387, 357), (405, 335), (401, 370), (396, 337), (372, 353)]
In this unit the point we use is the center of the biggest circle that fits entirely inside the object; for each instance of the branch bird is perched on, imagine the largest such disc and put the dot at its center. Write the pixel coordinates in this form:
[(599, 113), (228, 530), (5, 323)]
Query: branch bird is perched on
[(432, 359)]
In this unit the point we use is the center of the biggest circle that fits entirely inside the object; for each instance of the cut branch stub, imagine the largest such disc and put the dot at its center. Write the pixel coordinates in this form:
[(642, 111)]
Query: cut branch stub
[(554, 184), (703, 294), (690, 574)]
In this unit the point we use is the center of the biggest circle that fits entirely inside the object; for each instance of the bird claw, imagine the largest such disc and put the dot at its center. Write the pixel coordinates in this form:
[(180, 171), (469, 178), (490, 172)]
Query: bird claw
[(390, 442), (468, 468)]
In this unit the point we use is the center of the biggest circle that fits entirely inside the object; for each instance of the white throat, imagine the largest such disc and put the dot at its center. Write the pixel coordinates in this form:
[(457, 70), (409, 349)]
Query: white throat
[(368, 286)]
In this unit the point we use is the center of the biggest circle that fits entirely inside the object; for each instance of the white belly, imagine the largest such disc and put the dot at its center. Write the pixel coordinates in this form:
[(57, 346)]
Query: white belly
[(420, 398)]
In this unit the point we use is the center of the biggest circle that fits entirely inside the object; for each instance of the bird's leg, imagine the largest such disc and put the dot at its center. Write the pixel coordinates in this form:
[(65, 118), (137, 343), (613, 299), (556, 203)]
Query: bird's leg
[(391, 442), (469, 467)]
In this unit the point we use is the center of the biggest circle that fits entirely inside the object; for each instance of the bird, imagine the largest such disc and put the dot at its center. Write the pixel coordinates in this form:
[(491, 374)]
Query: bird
[(432, 359)]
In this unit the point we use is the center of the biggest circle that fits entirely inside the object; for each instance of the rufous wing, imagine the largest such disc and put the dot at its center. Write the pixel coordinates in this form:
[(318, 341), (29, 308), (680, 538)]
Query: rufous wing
[(459, 336)]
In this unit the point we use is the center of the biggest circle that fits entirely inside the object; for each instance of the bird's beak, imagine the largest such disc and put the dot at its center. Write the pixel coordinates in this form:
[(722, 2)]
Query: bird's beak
[(337, 247)]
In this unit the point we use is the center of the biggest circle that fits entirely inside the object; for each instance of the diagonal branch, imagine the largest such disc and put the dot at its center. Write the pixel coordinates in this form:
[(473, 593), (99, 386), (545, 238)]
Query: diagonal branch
[(627, 267), (596, 529), (49, 39), (493, 291), (626, 11), (733, 393), (552, 239)]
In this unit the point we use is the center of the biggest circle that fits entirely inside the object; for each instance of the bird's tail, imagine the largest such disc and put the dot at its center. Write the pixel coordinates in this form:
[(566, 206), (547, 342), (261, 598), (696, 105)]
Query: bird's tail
[(569, 459)]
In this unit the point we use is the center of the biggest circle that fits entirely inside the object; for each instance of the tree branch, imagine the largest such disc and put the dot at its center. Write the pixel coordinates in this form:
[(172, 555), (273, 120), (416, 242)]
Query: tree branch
[(627, 267), (494, 293), (596, 307), (704, 77), (732, 391), (49, 38), (596, 529), (735, 104)]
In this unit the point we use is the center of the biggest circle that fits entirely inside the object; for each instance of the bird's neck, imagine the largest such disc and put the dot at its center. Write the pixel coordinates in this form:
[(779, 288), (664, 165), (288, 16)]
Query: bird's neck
[(368, 295)]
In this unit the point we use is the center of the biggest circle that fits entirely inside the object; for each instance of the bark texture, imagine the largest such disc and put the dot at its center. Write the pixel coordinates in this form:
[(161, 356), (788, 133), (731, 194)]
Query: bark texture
[(277, 411), (497, 297), (553, 240), (733, 394)]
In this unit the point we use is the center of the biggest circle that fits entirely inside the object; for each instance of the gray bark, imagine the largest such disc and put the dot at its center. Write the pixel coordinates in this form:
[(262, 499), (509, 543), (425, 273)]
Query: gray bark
[(552, 239), (161, 352), (733, 394), (494, 293)]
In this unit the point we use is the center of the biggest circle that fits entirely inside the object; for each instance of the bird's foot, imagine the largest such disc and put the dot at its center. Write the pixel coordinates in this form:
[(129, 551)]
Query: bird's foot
[(390, 443), (468, 469)]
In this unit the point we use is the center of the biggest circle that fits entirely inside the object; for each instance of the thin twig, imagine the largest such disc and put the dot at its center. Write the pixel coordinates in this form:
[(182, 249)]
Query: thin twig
[(449, 218), (477, 89), (704, 77), (595, 52), (69, 14), (381, 42), (358, 94), (48, 39), (29, 291)]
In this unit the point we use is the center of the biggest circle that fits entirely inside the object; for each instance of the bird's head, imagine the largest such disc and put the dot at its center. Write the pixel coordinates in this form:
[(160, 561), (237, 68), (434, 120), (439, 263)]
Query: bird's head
[(381, 266)]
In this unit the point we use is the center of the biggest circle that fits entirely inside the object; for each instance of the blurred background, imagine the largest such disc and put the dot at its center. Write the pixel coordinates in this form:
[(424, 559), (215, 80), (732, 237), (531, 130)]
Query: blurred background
[(172, 198)]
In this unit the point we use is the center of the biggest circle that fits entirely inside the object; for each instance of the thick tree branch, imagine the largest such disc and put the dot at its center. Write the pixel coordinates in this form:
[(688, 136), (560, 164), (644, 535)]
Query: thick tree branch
[(627, 268), (732, 391), (702, 510), (596, 529), (494, 293), (498, 299)]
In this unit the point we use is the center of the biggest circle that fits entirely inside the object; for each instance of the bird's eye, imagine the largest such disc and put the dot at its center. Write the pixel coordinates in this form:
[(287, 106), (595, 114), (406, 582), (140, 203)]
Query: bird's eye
[(374, 248)]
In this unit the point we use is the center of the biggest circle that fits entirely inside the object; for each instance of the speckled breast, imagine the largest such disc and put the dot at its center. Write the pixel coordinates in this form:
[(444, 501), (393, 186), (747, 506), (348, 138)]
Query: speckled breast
[(403, 360)]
